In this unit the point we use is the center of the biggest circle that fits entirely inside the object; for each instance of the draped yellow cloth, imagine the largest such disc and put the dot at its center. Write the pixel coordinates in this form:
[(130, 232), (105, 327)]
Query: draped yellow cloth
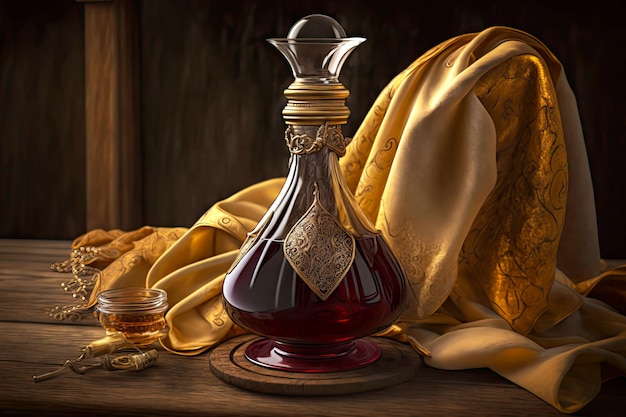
[(472, 163)]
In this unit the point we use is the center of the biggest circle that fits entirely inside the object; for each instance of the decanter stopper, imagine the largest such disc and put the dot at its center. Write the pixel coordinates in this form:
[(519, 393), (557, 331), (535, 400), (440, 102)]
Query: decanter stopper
[(316, 48)]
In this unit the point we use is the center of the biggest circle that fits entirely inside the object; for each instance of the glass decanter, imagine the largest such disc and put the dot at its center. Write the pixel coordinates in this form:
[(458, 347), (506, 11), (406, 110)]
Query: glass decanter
[(315, 277)]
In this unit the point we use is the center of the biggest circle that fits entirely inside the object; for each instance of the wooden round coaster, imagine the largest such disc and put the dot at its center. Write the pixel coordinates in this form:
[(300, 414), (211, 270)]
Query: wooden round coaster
[(397, 364)]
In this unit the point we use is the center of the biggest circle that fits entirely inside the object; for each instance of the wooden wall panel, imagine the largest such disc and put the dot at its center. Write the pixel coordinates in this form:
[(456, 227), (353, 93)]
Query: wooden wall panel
[(112, 139), (42, 133), (211, 104)]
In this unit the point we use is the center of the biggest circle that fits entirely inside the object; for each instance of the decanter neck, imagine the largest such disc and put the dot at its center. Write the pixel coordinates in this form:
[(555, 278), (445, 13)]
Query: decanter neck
[(314, 173)]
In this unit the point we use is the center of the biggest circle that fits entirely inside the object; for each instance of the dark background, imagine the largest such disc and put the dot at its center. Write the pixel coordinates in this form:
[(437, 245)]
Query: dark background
[(211, 96)]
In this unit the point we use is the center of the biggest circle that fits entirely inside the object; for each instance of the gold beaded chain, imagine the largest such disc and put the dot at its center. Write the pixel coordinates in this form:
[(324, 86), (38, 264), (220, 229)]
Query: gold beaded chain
[(79, 285)]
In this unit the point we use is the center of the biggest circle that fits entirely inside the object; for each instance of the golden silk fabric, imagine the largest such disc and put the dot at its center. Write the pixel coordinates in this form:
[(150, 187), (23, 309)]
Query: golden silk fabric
[(473, 165)]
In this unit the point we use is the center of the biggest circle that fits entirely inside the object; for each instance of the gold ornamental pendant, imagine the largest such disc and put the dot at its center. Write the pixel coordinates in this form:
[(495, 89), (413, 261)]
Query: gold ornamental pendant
[(319, 249)]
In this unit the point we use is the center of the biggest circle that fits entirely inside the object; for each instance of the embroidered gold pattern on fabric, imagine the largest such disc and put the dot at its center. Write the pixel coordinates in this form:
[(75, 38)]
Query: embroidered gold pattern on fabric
[(367, 164), (319, 249), (518, 228), (420, 259), (415, 254), (376, 171)]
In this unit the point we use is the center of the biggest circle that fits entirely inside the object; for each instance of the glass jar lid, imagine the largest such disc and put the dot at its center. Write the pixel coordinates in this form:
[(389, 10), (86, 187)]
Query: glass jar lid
[(132, 299)]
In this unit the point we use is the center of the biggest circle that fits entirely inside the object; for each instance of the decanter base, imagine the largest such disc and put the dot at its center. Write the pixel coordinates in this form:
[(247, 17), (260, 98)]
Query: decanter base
[(313, 358), (398, 363)]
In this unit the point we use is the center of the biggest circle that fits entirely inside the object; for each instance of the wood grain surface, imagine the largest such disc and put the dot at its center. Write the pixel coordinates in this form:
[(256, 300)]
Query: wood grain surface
[(31, 344)]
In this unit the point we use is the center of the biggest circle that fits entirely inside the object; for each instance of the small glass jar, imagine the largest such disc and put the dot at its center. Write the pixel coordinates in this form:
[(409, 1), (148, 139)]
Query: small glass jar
[(139, 313)]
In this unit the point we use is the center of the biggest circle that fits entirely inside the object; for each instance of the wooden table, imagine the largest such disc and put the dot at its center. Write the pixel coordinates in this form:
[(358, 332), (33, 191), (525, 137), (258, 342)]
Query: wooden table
[(33, 343)]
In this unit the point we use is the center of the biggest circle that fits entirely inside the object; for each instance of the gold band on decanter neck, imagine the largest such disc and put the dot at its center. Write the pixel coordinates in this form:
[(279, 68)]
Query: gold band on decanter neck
[(326, 135), (314, 103)]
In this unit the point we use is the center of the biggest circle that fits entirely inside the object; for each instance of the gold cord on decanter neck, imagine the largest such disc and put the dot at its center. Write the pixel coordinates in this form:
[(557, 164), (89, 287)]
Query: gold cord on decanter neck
[(300, 142)]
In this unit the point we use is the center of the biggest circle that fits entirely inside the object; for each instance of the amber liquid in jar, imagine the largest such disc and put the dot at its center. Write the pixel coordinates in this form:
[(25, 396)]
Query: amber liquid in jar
[(139, 313), (141, 329)]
